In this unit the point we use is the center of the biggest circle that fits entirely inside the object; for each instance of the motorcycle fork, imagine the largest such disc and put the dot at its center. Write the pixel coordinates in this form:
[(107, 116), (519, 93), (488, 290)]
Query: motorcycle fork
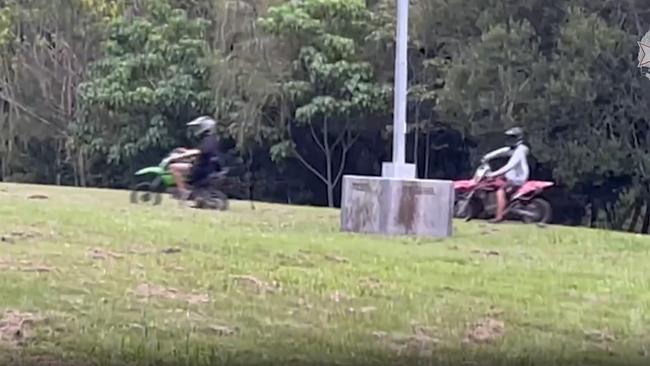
[(466, 202)]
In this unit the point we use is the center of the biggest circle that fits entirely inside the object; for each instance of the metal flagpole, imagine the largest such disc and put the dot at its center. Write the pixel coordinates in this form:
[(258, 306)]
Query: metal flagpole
[(401, 75)]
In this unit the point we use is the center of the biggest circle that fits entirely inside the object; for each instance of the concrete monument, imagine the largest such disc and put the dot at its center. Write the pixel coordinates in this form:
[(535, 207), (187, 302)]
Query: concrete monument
[(397, 203), (390, 206)]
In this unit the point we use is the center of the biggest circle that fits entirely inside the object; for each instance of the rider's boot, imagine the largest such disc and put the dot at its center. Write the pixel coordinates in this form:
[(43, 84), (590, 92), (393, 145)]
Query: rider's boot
[(184, 198)]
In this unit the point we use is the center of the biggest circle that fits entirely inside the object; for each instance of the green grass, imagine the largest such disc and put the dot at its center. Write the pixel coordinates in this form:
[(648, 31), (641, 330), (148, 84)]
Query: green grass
[(564, 296)]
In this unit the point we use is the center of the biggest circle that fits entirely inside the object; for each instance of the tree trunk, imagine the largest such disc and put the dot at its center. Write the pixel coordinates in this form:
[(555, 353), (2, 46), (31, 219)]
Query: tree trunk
[(304, 161), (345, 140), (57, 163), (328, 165), (610, 211), (251, 178), (594, 213), (330, 194), (416, 137), (646, 219), (75, 172), (83, 174), (9, 142), (635, 217), (3, 157), (427, 155)]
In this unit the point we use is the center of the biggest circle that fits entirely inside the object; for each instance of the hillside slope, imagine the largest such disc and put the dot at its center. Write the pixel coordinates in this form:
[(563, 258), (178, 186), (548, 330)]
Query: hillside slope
[(86, 276)]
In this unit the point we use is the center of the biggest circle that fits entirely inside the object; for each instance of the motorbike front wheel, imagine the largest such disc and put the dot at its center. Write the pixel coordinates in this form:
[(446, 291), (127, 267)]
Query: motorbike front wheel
[(537, 211), (467, 208), (461, 206), (144, 193)]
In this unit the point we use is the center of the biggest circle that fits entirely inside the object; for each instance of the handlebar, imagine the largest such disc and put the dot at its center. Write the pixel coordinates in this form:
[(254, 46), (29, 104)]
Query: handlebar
[(174, 153), (482, 171)]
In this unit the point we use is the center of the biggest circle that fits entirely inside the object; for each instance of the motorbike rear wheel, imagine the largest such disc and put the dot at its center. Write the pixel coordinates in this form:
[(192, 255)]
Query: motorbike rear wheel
[(213, 200), (540, 211), (219, 201)]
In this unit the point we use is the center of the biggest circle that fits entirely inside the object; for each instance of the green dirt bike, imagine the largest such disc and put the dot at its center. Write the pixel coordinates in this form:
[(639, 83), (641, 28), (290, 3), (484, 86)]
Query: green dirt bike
[(159, 179)]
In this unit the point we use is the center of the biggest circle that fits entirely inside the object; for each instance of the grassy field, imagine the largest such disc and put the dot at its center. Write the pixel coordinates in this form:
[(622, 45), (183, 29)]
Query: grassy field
[(88, 278)]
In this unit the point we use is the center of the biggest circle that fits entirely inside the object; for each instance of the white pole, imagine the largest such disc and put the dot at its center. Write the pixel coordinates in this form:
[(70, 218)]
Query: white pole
[(401, 75)]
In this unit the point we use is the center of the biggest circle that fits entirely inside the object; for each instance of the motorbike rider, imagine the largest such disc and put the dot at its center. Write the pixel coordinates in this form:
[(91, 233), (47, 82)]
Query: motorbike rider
[(515, 172), (206, 155)]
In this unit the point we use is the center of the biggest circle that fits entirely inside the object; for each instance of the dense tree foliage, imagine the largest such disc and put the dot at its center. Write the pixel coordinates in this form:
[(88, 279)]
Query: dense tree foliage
[(93, 89)]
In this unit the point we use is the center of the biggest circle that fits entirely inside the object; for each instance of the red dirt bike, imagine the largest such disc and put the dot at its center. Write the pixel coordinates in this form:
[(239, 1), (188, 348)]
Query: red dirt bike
[(476, 198)]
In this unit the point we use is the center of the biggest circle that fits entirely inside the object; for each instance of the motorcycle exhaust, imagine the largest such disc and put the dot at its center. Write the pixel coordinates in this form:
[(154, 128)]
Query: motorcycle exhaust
[(523, 212)]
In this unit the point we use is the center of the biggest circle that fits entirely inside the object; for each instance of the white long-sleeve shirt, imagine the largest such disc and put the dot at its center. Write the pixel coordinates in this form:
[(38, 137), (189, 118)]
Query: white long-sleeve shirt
[(516, 169)]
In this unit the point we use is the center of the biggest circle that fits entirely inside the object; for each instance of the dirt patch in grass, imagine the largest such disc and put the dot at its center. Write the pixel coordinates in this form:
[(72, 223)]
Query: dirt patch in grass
[(48, 360), (602, 339), (486, 253), (100, 254), (146, 290), (204, 323), (486, 330), (299, 259), (420, 343), (254, 284), (171, 250), (38, 196), (13, 237), (362, 310), (152, 251), (221, 330), (370, 283), (17, 328), (336, 258), (24, 266)]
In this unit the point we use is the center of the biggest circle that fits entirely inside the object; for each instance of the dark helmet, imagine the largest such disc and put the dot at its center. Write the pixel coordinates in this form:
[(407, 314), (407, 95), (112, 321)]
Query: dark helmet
[(515, 136), (202, 126)]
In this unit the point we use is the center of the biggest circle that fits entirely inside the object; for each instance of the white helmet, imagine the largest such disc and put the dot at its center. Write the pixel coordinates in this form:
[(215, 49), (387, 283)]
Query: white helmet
[(515, 136), (202, 125)]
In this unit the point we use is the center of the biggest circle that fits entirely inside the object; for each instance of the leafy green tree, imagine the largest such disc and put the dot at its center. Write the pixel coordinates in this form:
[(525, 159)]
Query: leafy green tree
[(44, 58), (596, 130), (494, 82), (331, 88), (151, 80)]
